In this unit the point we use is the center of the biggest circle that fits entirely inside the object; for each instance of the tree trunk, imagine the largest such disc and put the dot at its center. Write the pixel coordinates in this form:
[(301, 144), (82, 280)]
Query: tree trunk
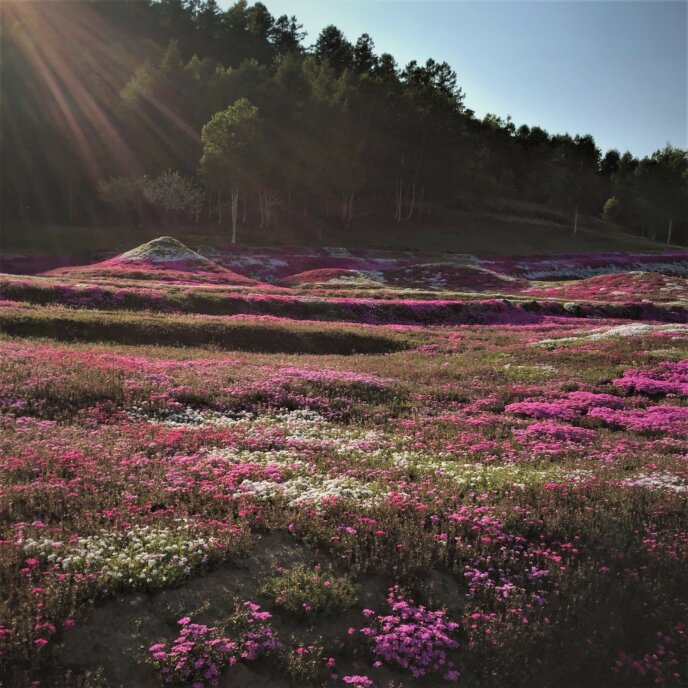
[(412, 205), (575, 222), (347, 207), (70, 198), (671, 223), (244, 206), (219, 207), (261, 209), (235, 209), (399, 193)]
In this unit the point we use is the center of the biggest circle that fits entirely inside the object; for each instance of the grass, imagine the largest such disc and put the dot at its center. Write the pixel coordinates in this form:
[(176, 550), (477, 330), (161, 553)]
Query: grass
[(304, 591), (328, 471), (424, 498), (386, 306), (233, 335), (514, 229)]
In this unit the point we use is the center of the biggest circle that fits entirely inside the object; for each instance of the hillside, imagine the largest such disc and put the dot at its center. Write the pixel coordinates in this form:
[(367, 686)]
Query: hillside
[(162, 259), (452, 231), (322, 131)]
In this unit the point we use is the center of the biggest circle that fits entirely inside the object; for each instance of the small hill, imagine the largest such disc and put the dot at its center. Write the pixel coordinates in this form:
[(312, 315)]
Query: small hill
[(331, 277), (164, 259), (163, 250), (459, 277), (625, 286)]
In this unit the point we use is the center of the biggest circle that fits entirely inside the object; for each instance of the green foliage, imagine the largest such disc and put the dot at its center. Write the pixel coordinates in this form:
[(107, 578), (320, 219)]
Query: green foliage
[(611, 211), (303, 591), (229, 142), (169, 191), (172, 191), (305, 665), (126, 194), (333, 48)]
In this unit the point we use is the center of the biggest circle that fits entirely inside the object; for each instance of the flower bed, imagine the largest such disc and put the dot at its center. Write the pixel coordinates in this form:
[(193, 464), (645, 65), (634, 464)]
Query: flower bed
[(502, 502)]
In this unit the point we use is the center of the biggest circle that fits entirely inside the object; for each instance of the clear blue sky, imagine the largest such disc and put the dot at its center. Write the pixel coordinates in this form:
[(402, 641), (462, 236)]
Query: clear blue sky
[(615, 69)]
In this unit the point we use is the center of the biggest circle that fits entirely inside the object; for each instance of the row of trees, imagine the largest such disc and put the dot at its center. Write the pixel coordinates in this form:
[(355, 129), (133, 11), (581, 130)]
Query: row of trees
[(259, 125), (169, 192)]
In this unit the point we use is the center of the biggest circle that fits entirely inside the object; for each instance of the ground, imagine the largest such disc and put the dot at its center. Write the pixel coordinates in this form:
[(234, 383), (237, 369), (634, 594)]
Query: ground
[(326, 467), (516, 229)]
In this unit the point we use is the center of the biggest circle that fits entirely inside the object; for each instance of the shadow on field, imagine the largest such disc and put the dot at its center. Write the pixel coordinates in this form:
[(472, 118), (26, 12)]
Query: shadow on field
[(139, 329)]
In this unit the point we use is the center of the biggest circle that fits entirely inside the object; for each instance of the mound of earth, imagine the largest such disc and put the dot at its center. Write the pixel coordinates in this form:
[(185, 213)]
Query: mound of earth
[(331, 277), (625, 286), (455, 277), (163, 259)]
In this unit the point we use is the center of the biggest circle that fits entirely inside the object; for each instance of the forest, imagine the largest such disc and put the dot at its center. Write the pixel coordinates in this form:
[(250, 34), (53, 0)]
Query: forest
[(181, 111)]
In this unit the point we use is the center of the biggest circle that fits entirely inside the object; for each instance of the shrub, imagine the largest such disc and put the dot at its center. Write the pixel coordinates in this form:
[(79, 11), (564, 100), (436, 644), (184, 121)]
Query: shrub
[(306, 664), (304, 591)]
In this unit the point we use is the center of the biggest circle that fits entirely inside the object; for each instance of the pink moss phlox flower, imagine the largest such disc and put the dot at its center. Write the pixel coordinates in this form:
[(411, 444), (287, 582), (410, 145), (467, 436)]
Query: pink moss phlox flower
[(412, 636)]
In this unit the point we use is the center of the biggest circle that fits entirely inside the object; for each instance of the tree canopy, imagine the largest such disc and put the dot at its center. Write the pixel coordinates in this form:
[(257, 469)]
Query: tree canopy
[(240, 102)]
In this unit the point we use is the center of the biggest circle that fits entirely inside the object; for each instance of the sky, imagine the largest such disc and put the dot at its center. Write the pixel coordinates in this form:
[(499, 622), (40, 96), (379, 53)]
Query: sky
[(616, 69)]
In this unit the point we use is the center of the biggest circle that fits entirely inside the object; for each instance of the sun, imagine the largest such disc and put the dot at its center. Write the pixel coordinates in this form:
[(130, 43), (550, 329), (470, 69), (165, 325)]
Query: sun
[(66, 64)]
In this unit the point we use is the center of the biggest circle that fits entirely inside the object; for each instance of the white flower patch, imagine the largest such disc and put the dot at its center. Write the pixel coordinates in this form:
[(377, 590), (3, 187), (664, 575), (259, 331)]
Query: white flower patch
[(337, 252), (374, 275), (306, 428), (414, 459), (190, 416), (140, 557), (528, 372), (164, 250), (658, 481), (475, 474), (278, 457), (186, 416), (243, 261), (578, 475), (303, 489), (45, 548), (554, 270), (628, 330)]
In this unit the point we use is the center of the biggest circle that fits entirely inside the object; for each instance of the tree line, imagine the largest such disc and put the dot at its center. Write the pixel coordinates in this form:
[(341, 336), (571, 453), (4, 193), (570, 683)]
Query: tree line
[(175, 110)]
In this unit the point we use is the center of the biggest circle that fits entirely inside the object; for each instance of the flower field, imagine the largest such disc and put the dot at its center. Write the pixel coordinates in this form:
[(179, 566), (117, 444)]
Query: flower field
[(366, 476)]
